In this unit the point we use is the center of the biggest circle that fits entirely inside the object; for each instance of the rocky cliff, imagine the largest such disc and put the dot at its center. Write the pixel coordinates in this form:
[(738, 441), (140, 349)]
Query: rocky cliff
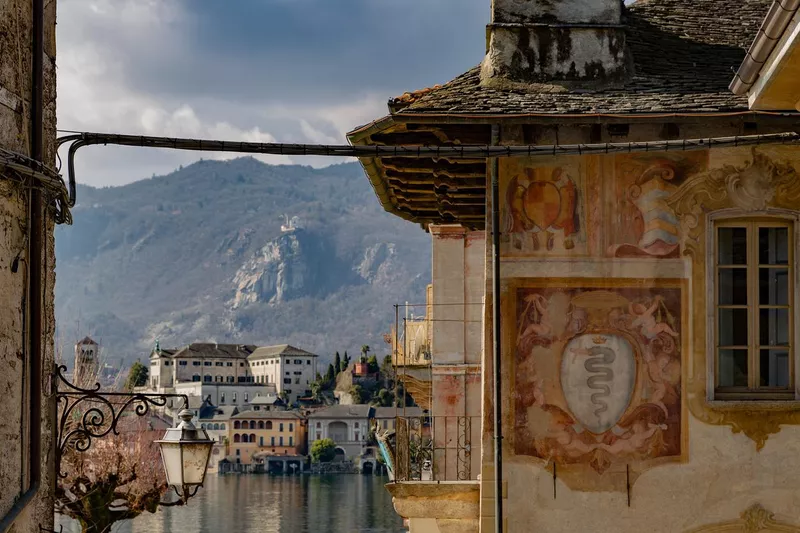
[(237, 251)]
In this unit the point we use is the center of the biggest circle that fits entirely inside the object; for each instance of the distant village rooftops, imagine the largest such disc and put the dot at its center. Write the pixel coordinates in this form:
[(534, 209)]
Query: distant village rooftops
[(283, 415), (221, 412), (395, 412), (279, 350), (344, 411), (208, 349)]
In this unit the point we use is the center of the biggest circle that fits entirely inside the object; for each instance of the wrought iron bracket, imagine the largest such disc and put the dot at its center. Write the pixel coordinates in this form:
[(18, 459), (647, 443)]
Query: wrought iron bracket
[(88, 414), (188, 492)]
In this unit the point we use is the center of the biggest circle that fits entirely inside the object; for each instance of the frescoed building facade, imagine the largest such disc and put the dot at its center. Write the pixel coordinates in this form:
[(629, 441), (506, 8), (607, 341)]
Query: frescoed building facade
[(649, 372)]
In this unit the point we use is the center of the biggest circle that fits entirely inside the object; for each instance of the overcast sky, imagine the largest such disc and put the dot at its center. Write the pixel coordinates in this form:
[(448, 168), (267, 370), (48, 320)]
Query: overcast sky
[(255, 70)]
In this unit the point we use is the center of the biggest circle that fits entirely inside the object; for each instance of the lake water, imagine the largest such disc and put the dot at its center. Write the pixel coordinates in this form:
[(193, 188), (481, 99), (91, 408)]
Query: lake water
[(280, 504)]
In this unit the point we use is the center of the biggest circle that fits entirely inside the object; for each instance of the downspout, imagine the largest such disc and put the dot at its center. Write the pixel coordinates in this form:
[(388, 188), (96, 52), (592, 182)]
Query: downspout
[(778, 17), (496, 336), (36, 246)]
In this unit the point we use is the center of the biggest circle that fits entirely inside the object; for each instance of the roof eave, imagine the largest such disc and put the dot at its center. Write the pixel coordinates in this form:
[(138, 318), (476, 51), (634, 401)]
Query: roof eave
[(775, 23)]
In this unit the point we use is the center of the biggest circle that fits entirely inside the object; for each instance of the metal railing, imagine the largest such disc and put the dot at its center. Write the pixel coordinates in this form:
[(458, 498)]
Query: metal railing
[(437, 448)]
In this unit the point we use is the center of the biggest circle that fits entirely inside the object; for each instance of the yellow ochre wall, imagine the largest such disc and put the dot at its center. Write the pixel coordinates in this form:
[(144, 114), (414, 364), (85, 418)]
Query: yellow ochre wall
[(609, 252)]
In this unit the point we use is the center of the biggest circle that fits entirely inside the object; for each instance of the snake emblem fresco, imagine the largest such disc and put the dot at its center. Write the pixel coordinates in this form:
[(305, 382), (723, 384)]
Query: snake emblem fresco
[(598, 375)]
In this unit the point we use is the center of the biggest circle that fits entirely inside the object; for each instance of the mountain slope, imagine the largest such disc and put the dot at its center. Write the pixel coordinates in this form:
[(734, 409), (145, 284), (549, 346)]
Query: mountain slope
[(199, 255)]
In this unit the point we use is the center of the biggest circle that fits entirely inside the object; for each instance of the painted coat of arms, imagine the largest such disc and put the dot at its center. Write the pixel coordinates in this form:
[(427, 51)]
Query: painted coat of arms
[(597, 376)]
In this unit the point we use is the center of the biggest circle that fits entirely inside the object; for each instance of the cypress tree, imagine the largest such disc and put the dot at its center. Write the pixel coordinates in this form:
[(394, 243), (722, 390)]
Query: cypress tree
[(337, 363)]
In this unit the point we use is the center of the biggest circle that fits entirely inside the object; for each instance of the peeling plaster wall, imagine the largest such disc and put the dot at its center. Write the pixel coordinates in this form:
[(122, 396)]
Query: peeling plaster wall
[(15, 87)]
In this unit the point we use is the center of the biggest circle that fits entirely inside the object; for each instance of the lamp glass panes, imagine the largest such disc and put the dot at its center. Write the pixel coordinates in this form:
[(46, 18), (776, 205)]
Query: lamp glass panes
[(185, 450)]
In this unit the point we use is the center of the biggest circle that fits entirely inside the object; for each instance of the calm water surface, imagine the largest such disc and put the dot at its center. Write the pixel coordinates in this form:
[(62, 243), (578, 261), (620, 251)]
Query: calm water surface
[(285, 504)]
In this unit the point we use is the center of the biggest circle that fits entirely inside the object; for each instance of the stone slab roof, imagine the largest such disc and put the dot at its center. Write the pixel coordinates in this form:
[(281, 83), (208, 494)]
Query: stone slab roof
[(218, 412), (210, 350), (278, 350), (392, 412), (344, 411), (684, 56), (275, 415)]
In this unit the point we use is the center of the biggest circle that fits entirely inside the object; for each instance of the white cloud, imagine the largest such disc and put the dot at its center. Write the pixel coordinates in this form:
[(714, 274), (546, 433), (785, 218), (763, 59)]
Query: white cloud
[(95, 94)]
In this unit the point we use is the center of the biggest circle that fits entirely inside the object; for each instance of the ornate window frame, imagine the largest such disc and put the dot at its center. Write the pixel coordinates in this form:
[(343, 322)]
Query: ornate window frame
[(761, 185)]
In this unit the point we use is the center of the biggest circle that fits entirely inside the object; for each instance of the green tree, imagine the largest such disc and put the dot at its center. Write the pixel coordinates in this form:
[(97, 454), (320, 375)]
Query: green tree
[(384, 398), (137, 376), (330, 376), (337, 363), (357, 393), (372, 364), (364, 352), (346, 360), (323, 451)]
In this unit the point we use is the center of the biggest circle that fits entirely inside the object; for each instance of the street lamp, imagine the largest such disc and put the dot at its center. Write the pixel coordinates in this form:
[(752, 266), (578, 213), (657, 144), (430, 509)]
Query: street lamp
[(185, 451)]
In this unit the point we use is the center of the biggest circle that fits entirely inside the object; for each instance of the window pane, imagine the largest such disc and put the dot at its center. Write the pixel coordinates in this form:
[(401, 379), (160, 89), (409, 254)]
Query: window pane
[(733, 286), (732, 246), (774, 326), (733, 368), (774, 367), (773, 246), (773, 286), (732, 327)]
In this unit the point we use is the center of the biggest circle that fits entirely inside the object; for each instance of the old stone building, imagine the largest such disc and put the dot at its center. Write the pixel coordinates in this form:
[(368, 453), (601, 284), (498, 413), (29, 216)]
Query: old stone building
[(647, 280), (27, 139)]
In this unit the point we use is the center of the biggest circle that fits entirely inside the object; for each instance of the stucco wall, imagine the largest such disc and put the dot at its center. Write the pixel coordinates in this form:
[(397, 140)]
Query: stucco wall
[(583, 277), (15, 84)]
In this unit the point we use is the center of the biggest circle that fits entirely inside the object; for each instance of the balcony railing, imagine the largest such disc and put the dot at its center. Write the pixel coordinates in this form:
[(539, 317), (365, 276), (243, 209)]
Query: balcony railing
[(436, 448)]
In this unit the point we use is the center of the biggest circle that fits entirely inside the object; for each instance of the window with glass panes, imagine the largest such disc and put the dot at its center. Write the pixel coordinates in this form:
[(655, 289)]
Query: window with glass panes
[(753, 308)]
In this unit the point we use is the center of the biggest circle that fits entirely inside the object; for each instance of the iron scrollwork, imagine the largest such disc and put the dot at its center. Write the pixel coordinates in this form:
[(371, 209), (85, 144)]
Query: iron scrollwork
[(88, 414)]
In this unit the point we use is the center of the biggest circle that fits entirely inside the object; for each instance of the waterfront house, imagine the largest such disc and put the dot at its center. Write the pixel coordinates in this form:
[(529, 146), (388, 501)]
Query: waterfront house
[(644, 281), (260, 436), (268, 402), (215, 420), (290, 369), (347, 425)]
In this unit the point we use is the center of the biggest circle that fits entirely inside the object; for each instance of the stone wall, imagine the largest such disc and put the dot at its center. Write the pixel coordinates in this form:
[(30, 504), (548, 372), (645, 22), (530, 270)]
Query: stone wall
[(609, 418), (15, 90)]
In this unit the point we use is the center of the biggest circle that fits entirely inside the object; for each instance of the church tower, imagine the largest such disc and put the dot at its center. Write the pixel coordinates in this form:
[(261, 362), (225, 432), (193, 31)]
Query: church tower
[(87, 353)]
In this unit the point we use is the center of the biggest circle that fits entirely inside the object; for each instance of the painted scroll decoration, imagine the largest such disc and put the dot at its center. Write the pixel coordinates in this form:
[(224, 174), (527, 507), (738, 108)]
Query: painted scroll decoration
[(597, 375), (643, 224)]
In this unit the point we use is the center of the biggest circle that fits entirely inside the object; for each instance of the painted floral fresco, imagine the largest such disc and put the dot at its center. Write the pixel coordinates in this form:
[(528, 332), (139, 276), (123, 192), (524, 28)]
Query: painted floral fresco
[(598, 374)]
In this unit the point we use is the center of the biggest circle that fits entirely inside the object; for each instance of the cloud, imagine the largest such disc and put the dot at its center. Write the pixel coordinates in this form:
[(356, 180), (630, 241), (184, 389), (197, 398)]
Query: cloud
[(259, 70)]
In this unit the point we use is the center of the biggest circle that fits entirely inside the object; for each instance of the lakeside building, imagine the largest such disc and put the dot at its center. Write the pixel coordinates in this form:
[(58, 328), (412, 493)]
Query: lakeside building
[(649, 371), (348, 426), (267, 436), (290, 369), (232, 374)]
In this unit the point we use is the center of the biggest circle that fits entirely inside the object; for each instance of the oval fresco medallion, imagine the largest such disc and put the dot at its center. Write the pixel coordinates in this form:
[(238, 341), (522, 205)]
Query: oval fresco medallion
[(598, 375)]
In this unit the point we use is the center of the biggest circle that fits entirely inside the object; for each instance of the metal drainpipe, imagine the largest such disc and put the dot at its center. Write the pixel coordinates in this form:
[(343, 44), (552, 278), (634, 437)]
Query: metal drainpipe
[(36, 245), (496, 337)]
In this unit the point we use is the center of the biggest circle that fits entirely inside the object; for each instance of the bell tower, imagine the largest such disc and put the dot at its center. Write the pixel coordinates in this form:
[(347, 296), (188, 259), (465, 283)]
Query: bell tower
[(87, 353)]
